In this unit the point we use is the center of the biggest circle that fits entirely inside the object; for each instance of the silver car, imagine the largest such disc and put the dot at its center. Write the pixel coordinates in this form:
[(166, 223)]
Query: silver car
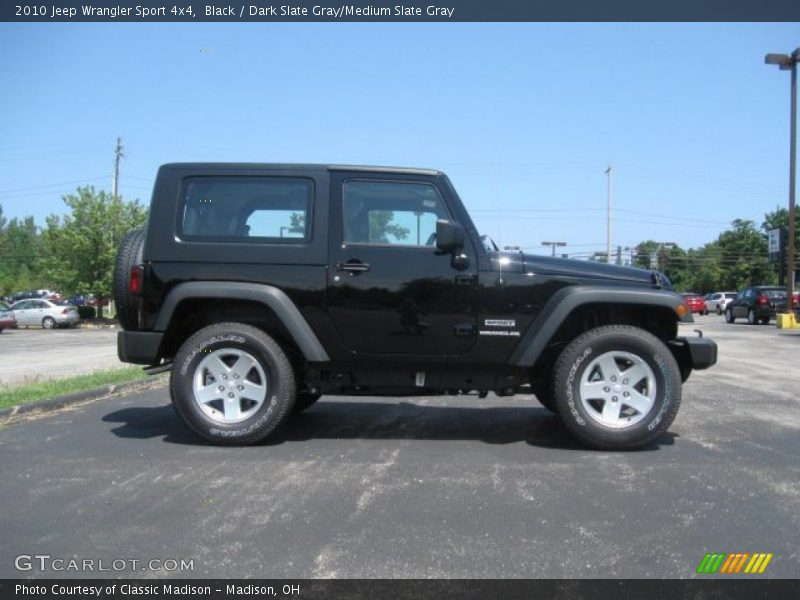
[(44, 313), (718, 301)]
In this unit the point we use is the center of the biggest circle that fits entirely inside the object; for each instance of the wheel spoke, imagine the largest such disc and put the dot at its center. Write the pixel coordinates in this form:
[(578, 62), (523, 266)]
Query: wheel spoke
[(639, 401), (608, 366), (253, 391), (611, 411), (243, 365), (232, 408), (592, 389), (216, 366), (634, 374), (207, 394)]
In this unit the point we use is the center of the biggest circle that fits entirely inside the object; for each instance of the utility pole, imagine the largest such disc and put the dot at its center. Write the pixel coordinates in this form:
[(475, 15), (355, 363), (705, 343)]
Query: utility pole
[(117, 156), (619, 255), (608, 216)]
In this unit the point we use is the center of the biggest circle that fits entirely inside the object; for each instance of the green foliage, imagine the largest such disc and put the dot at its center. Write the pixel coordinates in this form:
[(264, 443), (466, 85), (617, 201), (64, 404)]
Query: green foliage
[(19, 254), (80, 247), (736, 259), (381, 226), (31, 391)]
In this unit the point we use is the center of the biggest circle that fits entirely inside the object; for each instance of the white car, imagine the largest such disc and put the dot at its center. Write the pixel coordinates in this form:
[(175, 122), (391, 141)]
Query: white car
[(44, 313), (717, 301)]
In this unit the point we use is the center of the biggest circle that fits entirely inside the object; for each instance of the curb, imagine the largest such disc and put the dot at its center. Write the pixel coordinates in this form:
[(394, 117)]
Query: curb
[(62, 401)]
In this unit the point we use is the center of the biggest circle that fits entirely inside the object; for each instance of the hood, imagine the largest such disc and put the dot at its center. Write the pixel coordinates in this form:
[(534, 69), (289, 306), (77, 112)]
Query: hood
[(580, 269)]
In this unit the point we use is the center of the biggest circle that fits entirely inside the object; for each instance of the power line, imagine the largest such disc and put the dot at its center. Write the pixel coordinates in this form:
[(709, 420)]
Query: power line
[(47, 185)]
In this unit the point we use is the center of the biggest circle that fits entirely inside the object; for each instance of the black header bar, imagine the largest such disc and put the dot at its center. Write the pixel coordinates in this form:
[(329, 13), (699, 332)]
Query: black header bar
[(144, 11), (401, 589)]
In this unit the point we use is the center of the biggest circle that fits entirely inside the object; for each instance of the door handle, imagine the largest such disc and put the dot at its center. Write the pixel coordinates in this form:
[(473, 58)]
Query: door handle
[(353, 266)]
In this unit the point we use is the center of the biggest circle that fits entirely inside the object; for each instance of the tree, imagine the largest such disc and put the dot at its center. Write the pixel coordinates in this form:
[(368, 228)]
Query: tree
[(80, 248), (743, 256), (381, 226), (19, 255)]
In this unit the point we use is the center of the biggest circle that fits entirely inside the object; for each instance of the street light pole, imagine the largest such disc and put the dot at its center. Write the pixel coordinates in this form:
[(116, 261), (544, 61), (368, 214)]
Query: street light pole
[(788, 62), (608, 215), (553, 246)]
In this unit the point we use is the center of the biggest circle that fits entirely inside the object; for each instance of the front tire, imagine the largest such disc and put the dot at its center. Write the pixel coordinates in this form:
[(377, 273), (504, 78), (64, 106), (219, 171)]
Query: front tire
[(49, 323), (729, 318), (232, 384), (617, 387), (544, 394)]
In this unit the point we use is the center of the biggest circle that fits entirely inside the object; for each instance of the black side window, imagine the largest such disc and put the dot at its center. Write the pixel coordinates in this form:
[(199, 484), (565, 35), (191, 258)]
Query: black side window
[(391, 212), (247, 209)]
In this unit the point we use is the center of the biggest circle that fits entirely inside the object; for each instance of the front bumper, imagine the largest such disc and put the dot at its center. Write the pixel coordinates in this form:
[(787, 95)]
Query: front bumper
[(139, 347), (700, 352)]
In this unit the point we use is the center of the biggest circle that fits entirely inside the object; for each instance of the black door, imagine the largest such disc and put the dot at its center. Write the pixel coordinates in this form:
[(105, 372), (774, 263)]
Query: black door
[(389, 290)]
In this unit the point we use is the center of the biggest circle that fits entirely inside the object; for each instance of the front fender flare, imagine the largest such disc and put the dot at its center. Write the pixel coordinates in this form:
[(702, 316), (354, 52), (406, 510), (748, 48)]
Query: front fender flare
[(567, 299)]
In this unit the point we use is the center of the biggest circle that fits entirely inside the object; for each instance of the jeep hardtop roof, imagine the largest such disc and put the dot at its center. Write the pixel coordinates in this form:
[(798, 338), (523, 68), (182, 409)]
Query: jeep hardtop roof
[(300, 167)]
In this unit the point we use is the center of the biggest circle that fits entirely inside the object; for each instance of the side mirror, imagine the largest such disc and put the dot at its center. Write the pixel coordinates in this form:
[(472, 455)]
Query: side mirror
[(449, 236)]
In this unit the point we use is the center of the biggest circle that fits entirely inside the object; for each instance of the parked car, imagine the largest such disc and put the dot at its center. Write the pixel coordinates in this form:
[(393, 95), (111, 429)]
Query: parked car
[(25, 295), (37, 311), (757, 304), (86, 300), (696, 303), (718, 301), (7, 320)]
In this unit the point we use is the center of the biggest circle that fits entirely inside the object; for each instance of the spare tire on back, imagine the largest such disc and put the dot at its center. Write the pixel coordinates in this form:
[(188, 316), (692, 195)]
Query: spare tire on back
[(128, 255)]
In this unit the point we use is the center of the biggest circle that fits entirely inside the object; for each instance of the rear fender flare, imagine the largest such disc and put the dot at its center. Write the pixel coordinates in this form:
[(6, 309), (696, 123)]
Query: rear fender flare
[(270, 296)]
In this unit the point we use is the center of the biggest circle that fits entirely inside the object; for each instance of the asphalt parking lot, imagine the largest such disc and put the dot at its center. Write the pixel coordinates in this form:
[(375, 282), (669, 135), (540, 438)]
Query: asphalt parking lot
[(39, 354), (421, 487)]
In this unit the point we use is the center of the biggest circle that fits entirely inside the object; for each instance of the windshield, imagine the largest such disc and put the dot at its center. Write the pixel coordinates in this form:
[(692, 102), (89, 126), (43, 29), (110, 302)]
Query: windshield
[(775, 294), (488, 244)]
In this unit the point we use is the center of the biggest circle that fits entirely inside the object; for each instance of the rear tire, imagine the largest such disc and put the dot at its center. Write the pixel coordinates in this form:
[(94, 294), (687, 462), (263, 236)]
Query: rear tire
[(617, 387), (48, 323), (232, 384), (751, 317), (128, 255), (764, 320), (729, 316)]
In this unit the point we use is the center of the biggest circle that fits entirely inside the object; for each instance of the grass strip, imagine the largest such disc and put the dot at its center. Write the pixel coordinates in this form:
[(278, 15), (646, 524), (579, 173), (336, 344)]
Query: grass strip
[(13, 395)]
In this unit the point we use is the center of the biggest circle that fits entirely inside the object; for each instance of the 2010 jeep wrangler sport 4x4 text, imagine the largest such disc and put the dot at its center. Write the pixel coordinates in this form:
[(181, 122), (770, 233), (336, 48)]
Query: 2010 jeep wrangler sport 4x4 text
[(263, 287)]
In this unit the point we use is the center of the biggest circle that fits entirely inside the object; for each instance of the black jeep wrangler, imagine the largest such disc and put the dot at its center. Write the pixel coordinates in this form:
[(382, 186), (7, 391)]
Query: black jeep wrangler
[(265, 286)]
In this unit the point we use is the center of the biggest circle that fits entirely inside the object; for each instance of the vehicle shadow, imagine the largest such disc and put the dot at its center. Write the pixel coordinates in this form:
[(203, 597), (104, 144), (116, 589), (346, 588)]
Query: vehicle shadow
[(342, 420)]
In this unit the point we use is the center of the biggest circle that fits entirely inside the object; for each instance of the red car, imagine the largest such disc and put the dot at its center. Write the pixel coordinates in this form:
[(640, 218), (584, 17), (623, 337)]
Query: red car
[(7, 320), (697, 304)]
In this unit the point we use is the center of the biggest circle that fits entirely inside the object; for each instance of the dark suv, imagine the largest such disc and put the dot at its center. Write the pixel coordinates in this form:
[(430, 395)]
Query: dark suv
[(757, 304), (261, 287)]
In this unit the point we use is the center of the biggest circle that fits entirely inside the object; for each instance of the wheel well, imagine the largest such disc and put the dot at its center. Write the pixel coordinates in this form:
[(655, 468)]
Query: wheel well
[(193, 314), (660, 321)]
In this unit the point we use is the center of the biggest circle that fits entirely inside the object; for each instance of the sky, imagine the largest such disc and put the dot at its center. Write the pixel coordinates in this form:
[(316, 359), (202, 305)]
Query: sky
[(524, 118)]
